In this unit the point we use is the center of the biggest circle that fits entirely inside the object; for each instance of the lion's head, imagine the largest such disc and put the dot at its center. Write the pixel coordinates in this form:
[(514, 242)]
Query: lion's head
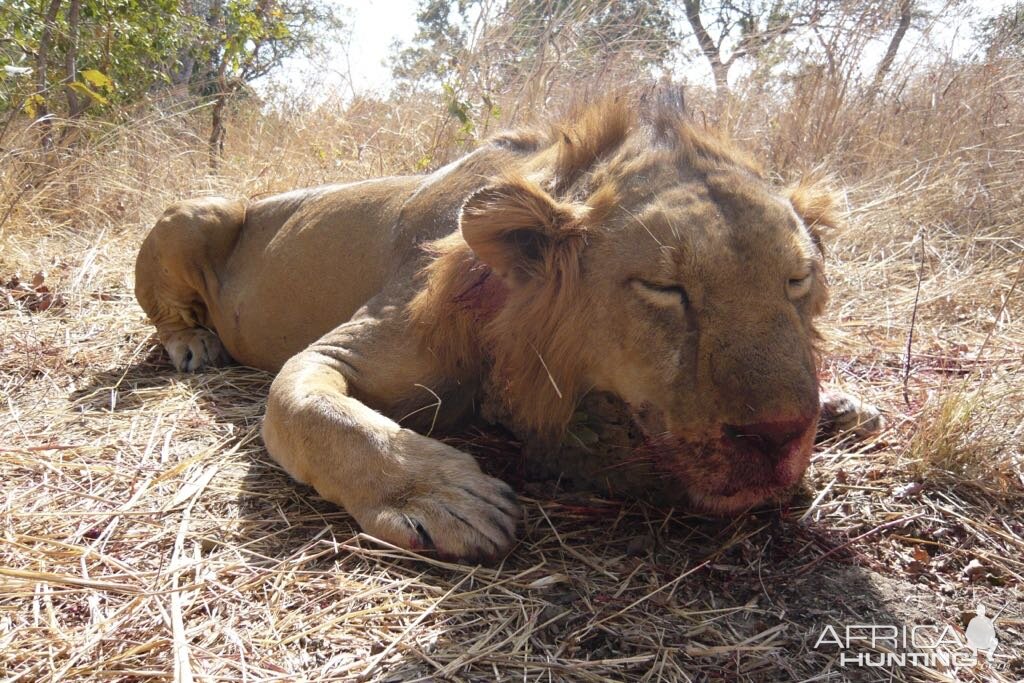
[(646, 257)]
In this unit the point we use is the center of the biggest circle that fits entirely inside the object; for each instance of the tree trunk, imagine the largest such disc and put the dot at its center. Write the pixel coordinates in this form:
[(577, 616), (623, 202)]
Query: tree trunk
[(721, 73), (719, 69), (75, 106), (884, 66), (42, 57), (220, 98), (217, 131)]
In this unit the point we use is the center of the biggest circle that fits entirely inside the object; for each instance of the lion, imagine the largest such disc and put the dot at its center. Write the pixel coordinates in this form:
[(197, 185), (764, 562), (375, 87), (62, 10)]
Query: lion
[(626, 250)]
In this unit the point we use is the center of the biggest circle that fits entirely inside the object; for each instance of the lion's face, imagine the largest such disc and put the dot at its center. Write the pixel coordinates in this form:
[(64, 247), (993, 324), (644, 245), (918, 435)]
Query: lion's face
[(700, 301), (666, 270)]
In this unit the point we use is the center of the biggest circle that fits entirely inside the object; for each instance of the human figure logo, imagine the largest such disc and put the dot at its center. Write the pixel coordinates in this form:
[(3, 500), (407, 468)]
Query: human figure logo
[(981, 634)]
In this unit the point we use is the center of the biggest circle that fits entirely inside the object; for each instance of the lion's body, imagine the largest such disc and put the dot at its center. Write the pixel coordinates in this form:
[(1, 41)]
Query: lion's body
[(281, 272), (644, 258)]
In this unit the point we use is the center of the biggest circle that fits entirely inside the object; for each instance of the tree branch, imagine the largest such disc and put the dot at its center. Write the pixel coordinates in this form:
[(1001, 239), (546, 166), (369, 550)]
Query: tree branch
[(884, 66), (41, 65), (75, 106), (707, 45)]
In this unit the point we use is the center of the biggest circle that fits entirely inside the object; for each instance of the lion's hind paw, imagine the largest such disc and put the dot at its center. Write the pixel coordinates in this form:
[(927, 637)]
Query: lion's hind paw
[(845, 415), (195, 349)]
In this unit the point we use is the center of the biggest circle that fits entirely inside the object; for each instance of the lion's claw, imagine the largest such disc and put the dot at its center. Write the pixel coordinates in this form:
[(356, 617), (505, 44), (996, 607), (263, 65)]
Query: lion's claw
[(422, 540), (472, 522)]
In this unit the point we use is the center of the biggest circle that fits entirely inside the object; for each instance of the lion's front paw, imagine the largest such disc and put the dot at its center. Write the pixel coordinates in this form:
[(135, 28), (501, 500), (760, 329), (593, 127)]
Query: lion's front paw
[(195, 349), (846, 415), (451, 507)]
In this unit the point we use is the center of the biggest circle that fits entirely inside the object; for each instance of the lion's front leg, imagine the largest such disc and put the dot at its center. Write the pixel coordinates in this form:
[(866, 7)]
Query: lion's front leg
[(400, 486)]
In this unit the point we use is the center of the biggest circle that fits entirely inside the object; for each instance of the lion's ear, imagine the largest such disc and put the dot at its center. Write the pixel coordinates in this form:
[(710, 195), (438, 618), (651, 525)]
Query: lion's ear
[(818, 205), (520, 230)]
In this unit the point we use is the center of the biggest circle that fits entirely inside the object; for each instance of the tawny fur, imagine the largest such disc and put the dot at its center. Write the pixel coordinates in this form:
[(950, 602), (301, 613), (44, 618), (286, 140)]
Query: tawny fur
[(626, 250)]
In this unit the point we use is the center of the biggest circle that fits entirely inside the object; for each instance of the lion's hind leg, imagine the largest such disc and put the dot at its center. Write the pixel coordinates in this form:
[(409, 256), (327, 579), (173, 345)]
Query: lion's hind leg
[(177, 277)]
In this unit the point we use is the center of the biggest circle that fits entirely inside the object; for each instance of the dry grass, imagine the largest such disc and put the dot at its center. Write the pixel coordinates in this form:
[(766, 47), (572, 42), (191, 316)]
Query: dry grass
[(145, 534)]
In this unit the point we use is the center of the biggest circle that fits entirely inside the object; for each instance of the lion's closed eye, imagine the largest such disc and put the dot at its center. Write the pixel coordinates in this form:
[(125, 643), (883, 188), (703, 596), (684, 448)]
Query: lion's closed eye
[(799, 287), (662, 295)]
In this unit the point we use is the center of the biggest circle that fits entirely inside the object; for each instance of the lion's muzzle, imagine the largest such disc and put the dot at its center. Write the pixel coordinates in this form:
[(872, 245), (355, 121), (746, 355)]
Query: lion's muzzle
[(770, 443), (743, 466), (759, 461)]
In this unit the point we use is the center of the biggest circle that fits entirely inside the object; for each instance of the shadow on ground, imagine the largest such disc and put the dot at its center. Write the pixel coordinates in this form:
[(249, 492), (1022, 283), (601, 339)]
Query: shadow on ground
[(596, 588)]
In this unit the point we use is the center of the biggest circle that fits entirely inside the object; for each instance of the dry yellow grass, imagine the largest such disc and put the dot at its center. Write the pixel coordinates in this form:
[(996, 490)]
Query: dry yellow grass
[(145, 534)]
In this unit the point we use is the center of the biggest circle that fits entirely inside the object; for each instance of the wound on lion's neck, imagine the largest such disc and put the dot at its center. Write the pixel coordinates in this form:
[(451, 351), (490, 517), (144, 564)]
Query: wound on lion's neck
[(485, 295)]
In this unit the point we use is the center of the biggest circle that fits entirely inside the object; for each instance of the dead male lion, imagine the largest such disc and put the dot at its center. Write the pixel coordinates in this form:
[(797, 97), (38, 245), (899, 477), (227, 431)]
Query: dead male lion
[(628, 253)]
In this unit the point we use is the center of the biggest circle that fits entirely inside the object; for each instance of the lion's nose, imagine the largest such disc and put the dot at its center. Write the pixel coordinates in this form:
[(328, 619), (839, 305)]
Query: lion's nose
[(773, 439)]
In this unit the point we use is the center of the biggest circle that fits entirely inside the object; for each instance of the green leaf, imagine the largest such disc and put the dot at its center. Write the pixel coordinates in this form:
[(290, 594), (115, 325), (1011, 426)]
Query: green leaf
[(97, 79), (460, 111), (33, 104), (83, 89)]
